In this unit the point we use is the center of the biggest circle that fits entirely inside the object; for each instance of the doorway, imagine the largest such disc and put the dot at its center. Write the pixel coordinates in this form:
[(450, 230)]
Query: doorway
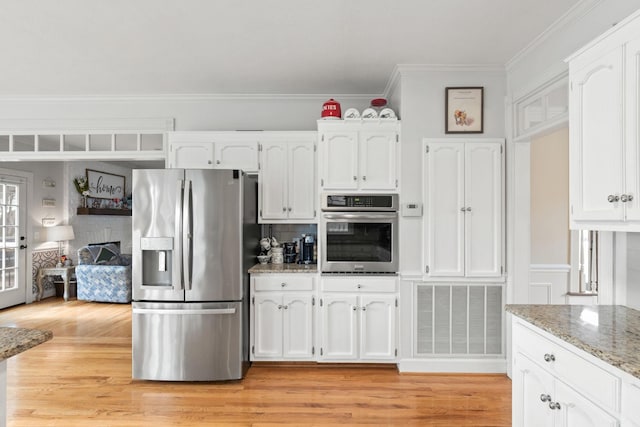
[(13, 265)]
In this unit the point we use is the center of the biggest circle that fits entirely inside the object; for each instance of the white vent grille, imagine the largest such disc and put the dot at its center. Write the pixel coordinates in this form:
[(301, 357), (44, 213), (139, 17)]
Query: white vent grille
[(459, 319)]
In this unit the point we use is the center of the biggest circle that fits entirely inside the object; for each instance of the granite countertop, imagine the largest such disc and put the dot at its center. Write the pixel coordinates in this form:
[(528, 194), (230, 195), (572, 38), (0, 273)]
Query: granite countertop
[(284, 268), (609, 332), (16, 340)]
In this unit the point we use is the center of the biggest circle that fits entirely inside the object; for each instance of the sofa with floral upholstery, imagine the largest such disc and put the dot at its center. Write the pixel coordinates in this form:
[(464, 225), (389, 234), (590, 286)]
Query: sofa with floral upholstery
[(103, 274)]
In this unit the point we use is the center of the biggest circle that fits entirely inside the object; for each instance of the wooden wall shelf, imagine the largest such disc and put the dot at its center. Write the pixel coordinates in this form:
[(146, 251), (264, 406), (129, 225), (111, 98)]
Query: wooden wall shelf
[(98, 211)]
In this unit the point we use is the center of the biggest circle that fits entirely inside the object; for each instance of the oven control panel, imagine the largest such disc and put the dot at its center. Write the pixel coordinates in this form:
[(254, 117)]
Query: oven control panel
[(360, 202)]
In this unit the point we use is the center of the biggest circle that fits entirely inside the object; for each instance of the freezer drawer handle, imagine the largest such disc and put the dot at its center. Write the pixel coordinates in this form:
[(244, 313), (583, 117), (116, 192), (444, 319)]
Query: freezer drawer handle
[(188, 311)]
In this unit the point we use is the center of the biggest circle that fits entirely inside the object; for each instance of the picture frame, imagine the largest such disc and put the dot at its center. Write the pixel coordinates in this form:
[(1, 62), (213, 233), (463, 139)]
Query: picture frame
[(103, 185), (464, 109)]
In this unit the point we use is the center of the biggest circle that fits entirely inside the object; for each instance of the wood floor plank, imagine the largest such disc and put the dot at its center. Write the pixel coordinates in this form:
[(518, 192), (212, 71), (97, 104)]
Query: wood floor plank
[(82, 377)]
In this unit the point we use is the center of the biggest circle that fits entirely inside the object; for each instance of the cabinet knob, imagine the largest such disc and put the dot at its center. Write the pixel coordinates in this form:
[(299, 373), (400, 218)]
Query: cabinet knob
[(355, 178), (355, 308), (468, 209), (359, 286), (209, 162), (284, 209), (280, 307), (289, 208), (629, 197), (613, 198), (545, 397), (217, 162), (549, 357), (364, 308), (283, 284), (286, 307), (554, 405), (364, 177), (626, 198)]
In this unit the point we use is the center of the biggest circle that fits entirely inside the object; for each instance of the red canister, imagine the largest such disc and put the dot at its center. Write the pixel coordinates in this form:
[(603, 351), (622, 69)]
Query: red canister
[(331, 109)]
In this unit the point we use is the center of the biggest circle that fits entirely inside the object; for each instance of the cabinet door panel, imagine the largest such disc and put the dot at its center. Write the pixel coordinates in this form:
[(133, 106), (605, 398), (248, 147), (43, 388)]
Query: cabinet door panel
[(237, 155), (268, 326), (377, 152), (297, 326), (273, 181), (530, 382), (192, 155), (483, 218), (301, 181), (596, 134), (445, 201), (340, 161), (339, 323), (377, 327), (576, 411), (632, 140)]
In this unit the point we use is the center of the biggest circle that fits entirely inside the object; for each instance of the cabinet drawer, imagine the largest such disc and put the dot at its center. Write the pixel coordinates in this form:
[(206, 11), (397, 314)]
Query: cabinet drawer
[(283, 282), (360, 284), (589, 379)]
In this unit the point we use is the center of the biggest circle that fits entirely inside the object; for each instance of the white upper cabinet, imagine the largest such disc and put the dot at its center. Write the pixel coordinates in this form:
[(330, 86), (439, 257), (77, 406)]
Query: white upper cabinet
[(214, 150), (359, 155), (604, 100), (463, 207), (287, 179)]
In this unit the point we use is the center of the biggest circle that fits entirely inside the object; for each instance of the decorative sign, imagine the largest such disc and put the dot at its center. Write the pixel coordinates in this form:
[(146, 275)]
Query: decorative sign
[(48, 221), (48, 203), (104, 185)]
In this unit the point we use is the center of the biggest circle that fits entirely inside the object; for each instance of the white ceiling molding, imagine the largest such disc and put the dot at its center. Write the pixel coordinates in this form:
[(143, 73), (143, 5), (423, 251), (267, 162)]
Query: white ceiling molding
[(574, 14), (404, 68), (181, 97)]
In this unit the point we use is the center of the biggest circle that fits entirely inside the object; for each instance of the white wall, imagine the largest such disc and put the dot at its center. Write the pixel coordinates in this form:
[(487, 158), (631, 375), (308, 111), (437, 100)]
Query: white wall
[(50, 171), (633, 270), (190, 112), (550, 198), (423, 112)]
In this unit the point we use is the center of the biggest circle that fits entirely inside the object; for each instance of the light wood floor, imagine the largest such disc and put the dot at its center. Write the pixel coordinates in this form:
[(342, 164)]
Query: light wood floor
[(83, 378)]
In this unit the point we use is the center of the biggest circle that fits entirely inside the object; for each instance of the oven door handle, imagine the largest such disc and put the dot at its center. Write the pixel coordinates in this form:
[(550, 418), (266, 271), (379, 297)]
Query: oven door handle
[(376, 216)]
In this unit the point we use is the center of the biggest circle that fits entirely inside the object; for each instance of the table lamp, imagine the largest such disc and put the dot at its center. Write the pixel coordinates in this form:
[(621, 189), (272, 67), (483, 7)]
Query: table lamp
[(60, 233)]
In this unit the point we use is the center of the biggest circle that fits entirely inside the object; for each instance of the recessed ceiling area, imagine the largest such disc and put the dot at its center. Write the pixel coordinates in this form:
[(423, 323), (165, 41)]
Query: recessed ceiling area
[(164, 47)]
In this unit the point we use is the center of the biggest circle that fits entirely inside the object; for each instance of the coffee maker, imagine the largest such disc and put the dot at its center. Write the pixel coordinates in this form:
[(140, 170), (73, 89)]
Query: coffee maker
[(307, 245)]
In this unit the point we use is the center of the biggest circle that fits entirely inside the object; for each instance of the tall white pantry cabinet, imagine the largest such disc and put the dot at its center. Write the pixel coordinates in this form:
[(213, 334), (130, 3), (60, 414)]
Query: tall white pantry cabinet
[(463, 183)]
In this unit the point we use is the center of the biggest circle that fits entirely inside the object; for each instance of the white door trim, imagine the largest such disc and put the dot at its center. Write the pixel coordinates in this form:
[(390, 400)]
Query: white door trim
[(28, 177)]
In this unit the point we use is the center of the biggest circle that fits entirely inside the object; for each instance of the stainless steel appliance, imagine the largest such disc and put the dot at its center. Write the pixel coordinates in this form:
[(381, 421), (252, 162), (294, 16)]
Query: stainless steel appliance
[(307, 243), (359, 233), (195, 235)]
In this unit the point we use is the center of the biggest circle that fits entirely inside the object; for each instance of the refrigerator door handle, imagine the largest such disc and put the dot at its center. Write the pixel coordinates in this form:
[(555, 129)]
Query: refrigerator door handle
[(186, 234), (178, 276), (186, 311)]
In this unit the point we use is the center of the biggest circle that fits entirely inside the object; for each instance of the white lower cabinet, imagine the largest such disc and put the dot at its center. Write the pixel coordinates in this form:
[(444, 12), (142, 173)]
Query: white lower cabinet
[(358, 319), (282, 317), (554, 384)]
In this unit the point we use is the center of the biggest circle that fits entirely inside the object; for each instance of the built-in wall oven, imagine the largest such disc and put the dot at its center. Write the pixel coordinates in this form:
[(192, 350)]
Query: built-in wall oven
[(359, 233)]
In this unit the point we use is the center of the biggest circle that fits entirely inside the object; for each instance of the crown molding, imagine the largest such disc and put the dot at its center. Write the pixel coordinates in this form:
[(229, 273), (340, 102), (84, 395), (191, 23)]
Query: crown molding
[(575, 13), (179, 97), (404, 68)]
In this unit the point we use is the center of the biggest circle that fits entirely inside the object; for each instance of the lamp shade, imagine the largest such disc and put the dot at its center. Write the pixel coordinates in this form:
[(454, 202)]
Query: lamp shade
[(59, 233)]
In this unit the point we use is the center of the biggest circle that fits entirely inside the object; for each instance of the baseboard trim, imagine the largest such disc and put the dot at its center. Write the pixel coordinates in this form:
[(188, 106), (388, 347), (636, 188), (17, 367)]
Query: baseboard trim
[(467, 366)]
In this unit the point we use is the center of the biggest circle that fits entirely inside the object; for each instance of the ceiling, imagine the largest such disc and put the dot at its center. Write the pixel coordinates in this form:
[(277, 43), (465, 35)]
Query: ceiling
[(292, 47)]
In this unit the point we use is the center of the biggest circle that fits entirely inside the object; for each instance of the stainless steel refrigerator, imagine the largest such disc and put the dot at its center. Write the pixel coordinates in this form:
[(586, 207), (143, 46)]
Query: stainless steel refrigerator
[(195, 234)]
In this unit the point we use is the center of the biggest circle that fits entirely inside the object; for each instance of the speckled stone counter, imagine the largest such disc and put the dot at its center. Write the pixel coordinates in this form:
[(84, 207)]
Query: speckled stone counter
[(16, 340), (284, 268), (609, 332)]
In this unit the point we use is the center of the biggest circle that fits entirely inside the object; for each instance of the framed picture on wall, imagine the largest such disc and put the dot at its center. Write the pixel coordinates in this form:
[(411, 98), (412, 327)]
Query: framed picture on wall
[(103, 185), (464, 110)]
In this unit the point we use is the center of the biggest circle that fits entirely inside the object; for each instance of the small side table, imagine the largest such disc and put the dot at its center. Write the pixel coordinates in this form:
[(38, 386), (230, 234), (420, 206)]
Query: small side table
[(64, 272)]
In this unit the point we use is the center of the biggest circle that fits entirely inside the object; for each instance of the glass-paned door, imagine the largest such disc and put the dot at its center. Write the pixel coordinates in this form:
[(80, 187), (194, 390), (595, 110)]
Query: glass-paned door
[(12, 259)]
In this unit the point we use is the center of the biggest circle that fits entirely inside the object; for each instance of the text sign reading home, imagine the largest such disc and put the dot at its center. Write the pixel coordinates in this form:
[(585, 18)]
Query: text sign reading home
[(104, 185)]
